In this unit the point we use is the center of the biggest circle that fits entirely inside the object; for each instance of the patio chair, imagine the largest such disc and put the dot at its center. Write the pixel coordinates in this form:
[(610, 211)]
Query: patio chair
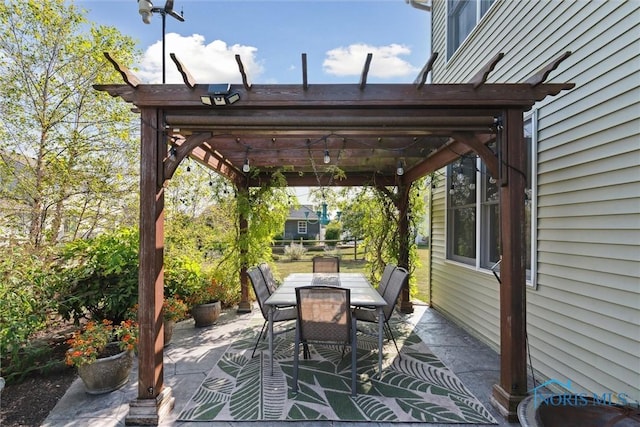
[(326, 264), (386, 275), (324, 316), (262, 292), (265, 269), (398, 279)]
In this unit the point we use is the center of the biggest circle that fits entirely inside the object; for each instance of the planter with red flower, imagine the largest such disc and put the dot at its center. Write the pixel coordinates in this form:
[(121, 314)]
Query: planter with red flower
[(174, 309), (103, 353), (205, 304)]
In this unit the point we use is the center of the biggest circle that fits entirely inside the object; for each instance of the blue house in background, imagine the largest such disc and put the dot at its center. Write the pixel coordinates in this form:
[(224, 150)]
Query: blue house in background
[(302, 223)]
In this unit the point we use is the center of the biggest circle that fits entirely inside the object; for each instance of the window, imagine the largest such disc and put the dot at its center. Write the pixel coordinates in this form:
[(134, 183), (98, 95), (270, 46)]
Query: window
[(473, 221), (462, 17), (462, 210), (302, 227)]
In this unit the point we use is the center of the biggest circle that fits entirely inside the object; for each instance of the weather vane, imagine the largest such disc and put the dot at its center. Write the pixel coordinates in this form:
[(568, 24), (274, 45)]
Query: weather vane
[(146, 9)]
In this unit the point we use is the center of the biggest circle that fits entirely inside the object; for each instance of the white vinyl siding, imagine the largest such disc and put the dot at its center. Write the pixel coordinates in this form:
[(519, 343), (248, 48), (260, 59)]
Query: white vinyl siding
[(584, 316)]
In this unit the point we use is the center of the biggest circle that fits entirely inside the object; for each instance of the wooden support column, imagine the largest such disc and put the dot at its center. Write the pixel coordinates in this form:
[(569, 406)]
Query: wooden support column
[(154, 400), (406, 306), (244, 306), (513, 351)]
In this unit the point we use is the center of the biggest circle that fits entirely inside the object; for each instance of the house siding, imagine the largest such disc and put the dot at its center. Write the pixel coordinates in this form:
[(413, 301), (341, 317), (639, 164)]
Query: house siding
[(583, 318)]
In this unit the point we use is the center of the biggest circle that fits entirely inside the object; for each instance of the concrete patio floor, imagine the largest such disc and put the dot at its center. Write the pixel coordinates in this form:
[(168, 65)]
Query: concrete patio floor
[(193, 352)]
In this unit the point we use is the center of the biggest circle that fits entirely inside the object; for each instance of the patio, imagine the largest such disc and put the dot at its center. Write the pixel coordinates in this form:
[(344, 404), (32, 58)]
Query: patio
[(194, 351)]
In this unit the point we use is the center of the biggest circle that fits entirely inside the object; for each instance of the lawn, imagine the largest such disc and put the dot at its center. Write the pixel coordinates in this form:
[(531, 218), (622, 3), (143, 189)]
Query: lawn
[(283, 268)]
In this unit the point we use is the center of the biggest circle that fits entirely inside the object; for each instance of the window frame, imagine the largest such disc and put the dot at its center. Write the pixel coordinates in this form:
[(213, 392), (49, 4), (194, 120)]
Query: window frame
[(302, 227), (455, 12), (481, 261)]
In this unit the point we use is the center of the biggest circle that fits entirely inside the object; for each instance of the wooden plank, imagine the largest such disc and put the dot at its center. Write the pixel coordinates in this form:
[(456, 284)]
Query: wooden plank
[(481, 78), (422, 78), (365, 71), (543, 73), (187, 78), (245, 81), (391, 96), (128, 77)]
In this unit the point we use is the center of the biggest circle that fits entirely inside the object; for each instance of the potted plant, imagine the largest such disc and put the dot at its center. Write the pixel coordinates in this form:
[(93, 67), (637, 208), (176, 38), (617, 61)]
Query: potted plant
[(174, 309), (205, 303), (103, 353)]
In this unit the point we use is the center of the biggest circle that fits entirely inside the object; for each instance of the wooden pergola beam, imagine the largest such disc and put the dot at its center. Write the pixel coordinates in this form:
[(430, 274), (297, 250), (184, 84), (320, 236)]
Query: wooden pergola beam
[(187, 78)]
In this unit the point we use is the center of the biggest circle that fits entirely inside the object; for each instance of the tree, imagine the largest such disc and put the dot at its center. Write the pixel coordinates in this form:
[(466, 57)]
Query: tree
[(68, 150), (371, 214)]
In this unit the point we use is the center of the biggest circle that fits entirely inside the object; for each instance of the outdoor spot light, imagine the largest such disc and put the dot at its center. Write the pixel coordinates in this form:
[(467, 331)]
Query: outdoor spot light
[(219, 94)]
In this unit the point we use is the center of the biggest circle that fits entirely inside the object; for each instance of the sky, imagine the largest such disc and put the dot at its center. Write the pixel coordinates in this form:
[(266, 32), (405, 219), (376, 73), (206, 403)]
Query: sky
[(270, 37)]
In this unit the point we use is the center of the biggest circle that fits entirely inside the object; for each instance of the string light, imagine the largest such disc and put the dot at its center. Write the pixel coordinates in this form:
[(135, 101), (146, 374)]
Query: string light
[(327, 158), (400, 169), (245, 167)]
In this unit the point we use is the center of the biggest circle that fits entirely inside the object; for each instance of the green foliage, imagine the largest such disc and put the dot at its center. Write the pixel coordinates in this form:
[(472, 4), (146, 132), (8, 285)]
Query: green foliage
[(99, 277), (371, 214), (68, 150), (184, 276), (27, 302), (333, 231)]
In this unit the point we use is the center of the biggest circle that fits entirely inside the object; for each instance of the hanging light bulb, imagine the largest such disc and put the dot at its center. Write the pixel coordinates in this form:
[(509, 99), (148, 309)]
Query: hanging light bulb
[(327, 158), (452, 190), (400, 169), (245, 167), (492, 180)]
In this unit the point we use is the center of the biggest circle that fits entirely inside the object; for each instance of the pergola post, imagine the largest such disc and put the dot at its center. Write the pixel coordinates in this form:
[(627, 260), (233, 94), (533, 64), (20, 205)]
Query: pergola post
[(244, 306), (153, 399), (406, 306), (513, 351)]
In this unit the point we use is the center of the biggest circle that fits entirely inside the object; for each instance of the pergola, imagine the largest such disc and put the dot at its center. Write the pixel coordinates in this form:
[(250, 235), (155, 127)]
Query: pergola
[(368, 130)]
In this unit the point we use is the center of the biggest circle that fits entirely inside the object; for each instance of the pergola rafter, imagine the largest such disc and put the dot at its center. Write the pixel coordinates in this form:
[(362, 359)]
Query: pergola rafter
[(368, 130)]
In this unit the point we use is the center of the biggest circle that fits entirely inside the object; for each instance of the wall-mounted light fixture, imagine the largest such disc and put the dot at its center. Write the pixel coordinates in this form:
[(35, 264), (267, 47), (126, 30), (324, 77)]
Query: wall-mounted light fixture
[(220, 94)]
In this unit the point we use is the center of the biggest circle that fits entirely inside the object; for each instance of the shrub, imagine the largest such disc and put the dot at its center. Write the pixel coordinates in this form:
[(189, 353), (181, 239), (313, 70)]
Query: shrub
[(26, 302), (184, 277), (333, 231), (99, 277), (294, 251)]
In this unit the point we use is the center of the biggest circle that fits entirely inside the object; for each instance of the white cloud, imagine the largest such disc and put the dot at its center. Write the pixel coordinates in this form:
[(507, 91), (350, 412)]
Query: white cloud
[(385, 63), (207, 63)]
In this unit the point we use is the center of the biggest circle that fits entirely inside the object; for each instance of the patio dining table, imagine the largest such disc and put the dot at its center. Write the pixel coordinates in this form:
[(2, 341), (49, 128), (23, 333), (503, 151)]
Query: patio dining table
[(363, 294)]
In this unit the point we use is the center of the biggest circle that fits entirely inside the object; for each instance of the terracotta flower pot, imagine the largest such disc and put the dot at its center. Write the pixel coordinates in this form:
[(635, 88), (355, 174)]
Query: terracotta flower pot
[(107, 374), (206, 314)]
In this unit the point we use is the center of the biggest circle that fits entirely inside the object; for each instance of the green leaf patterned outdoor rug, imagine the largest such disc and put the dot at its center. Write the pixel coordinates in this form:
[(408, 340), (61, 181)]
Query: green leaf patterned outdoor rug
[(416, 388)]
